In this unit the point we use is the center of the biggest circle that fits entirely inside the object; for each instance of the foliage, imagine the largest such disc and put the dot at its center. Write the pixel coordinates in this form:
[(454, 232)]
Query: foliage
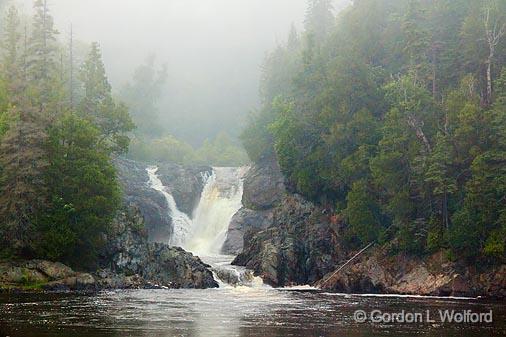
[(220, 151), (385, 115), (84, 189), (59, 191)]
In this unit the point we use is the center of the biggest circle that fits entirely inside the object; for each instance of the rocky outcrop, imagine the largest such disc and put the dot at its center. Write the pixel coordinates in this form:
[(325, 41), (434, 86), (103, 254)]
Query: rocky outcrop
[(128, 260), (40, 274), (245, 220), (128, 252), (380, 272), (152, 204), (263, 185), (299, 247), (263, 191), (185, 184)]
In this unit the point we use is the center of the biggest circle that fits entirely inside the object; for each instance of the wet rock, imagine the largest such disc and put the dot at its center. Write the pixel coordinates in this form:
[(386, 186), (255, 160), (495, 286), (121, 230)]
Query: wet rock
[(299, 247), (263, 184), (128, 252), (184, 183), (245, 220), (151, 203)]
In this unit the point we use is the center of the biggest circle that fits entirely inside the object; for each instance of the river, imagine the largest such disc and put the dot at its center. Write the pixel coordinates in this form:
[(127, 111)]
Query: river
[(242, 306), (230, 311)]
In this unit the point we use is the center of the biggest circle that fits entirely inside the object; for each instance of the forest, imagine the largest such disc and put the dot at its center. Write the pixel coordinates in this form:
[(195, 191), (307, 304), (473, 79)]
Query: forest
[(61, 126), (393, 115)]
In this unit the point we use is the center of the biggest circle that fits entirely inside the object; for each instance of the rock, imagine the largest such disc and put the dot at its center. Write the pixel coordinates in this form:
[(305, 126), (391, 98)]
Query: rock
[(53, 270), (14, 273), (263, 184), (245, 219), (81, 281), (151, 203), (128, 252), (184, 183), (263, 191), (298, 248), (380, 272)]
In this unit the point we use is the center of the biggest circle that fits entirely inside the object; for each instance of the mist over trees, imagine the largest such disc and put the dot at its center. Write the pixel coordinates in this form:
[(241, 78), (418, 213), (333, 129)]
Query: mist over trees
[(393, 114), (58, 186)]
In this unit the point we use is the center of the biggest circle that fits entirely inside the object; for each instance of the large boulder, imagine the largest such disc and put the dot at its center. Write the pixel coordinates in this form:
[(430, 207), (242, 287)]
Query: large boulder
[(243, 221), (41, 274)]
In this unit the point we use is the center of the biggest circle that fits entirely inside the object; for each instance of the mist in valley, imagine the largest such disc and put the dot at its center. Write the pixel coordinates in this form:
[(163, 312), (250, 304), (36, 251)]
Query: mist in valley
[(213, 51)]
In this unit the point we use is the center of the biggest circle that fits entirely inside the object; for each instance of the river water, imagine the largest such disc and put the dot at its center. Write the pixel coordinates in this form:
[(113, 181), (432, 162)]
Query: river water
[(242, 306), (230, 311)]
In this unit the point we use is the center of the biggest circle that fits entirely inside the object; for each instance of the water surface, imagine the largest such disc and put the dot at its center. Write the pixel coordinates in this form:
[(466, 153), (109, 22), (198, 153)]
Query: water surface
[(228, 311)]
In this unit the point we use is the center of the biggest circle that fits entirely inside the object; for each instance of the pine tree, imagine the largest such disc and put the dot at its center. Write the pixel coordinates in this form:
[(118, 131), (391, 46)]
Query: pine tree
[(42, 64), (23, 156), (98, 105), (10, 45), (319, 19)]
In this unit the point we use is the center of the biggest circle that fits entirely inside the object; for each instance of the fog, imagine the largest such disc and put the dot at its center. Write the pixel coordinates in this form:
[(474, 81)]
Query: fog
[(213, 50)]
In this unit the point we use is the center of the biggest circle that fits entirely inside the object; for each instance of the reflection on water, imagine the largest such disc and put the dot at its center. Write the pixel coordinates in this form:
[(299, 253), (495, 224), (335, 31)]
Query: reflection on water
[(240, 311)]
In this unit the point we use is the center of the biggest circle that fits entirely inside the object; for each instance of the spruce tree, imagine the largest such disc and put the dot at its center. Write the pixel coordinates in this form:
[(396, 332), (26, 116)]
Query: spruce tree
[(98, 105)]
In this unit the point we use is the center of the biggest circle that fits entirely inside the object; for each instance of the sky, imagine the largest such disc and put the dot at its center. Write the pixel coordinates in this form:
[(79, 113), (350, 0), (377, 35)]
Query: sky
[(213, 49)]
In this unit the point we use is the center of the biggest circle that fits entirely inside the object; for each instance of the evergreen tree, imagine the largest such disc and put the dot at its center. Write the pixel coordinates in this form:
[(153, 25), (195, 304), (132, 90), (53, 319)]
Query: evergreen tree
[(319, 18), (42, 66), (98, 106)]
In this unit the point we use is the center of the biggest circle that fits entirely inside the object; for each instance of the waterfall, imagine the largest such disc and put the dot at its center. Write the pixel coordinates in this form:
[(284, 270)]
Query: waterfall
[(181, 223), (205, 233), (220, 200)]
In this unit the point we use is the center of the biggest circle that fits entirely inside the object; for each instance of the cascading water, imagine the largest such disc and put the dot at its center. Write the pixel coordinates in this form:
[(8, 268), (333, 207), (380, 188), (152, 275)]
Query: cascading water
[(220, 200), (205, 233), (181, 223)]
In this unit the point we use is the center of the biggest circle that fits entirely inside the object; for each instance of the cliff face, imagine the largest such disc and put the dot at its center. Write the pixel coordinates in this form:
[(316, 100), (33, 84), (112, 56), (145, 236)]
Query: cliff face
[(185, 184), (283, 238), (263, 192), (288, 240), (380, 272), (152, 204), (299, 247)]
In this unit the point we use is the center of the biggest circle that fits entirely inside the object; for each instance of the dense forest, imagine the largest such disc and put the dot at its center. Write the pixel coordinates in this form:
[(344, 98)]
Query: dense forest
[(60, 127), (393, 114)]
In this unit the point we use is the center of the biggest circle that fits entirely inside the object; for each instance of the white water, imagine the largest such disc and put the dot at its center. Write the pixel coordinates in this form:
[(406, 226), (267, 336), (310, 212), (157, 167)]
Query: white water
[(181, 223), (205, 233), (220, 200)]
